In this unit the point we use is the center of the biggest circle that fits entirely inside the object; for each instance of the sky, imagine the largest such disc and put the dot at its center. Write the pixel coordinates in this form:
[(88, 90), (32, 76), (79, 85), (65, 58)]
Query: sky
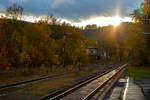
[(78, 12)]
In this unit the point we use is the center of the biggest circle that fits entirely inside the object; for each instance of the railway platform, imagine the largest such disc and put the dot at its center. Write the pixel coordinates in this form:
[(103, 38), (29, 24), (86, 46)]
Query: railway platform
[(126, 89)]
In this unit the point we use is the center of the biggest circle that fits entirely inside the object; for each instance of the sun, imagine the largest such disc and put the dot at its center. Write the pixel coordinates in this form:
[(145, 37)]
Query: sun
[(116, 20)]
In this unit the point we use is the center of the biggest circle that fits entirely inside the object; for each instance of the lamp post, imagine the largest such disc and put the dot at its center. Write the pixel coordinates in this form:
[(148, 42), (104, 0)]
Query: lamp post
[(63, 49)]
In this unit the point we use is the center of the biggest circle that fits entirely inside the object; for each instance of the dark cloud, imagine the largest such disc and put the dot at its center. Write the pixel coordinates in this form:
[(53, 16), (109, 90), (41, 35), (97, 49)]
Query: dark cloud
[(75, 9)]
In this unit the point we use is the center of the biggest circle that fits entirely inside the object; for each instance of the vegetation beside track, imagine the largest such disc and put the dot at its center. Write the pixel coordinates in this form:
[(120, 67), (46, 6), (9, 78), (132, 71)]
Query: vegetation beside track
[(26, 74), (16, 75), (40, 89), (141, 72)]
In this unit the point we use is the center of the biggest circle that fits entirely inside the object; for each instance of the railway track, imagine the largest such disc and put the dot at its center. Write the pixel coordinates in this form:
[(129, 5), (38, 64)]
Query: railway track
[(92, 88), (11, 90), (15, 84)]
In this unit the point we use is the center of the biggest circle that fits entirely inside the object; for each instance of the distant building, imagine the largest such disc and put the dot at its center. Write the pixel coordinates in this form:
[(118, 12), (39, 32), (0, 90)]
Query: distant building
[(97, 53), (147, 34), (92, 51)]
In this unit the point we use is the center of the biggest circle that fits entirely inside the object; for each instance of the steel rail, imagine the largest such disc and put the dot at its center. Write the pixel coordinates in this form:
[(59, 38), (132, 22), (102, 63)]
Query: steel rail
[(90, 95), (68, 91)]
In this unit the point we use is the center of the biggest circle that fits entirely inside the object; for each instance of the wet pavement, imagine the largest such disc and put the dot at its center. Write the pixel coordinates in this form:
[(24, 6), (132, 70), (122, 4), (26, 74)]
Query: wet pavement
[(125, 89), (117, 91), (145, 85), (133, 91)]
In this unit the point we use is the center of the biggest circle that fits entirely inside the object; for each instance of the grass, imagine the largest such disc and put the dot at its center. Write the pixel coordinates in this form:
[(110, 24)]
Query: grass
[(47, 86), (139, 72), (25, 74), (12, 75), (38, 89)]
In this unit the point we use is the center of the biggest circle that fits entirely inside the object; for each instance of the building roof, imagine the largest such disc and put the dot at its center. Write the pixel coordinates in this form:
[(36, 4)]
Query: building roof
[(92, 47)]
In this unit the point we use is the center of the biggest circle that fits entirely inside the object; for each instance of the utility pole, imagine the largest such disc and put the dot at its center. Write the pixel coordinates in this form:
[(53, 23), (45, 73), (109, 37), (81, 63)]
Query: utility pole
[(64, 45)]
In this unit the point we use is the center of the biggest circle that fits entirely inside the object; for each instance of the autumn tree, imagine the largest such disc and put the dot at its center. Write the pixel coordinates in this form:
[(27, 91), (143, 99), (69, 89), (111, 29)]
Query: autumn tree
[(27, 45), (93, 26), (137, 45), (38, 46), (138, 41), (14, 11), (74, 48), (7, 40)]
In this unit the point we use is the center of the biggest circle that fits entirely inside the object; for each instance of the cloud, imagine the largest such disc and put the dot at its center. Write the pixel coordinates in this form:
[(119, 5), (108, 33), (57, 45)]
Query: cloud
[(103, 21), (57, 3), (75, 9), (2, 8), (18, 1)]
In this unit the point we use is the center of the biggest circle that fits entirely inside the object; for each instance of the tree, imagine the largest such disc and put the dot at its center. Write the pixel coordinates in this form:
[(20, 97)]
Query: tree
[(93, 26), (146, 8), (38, 45), (24, 44), (4, 61), (73, 44), (14, 11), (137, 45)]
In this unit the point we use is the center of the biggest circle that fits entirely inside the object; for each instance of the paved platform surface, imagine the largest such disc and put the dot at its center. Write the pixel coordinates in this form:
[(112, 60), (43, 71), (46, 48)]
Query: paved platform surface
[(125, 89), (132, 91), (116, 93), (145, 85)]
